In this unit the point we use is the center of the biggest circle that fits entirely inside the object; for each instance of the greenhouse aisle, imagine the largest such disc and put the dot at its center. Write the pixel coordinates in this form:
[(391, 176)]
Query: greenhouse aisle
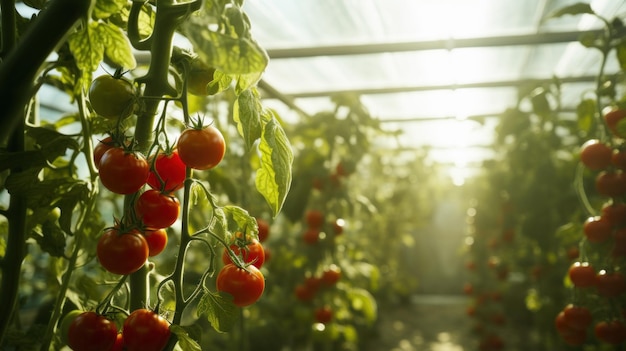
[(427, 323)]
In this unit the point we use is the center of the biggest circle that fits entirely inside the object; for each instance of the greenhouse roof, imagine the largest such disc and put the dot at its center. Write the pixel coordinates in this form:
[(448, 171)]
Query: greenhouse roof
[(425, 66)]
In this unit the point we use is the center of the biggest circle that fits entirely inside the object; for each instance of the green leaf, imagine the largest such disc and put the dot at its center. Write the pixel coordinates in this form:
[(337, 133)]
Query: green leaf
[(247, 115), (242, 220), (361, 300), (220, 82), (88, 48), (574, 9), (185, 342), (585, 112), (117, 46), (219, 309), (219, 223), (52, 143), (52, 239), (106, 8), (273, 179)]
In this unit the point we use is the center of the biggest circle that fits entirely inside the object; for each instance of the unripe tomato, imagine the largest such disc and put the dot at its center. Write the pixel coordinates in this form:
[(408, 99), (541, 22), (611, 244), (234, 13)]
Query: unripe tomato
[(200, 75), (111, 97), (201, 148), (66, 322), (90, 331)]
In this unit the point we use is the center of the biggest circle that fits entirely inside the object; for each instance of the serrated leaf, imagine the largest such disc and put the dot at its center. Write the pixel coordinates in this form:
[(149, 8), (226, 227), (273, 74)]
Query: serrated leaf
[(219, 310), (361, 300), (574, 9), (88, 49), (247, 115), (219, 223), (106, 8), (273, 178), (230, 54), (117, 46), (185, 342)]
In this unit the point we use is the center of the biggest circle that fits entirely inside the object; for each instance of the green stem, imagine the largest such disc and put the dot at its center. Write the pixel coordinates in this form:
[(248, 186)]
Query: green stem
[(16, 243), (22, 63), (9, 26)]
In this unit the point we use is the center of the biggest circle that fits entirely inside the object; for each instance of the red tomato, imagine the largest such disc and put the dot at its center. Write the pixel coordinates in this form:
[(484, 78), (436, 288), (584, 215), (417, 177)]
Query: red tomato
[(615, 213), (323, 315), (122, 253), (611, 332), (610, 284), (157, 210), (311, 236), (314, 219), (312, 283), (172, 171), (119, 343), (577, 317), (264, 229), (145, 330), (251, 252), (595, 155), (201, 148), (614, 118), (303, 293), (90, 331), (597, 229), (611, 183), (245, 285), (618, 159), (157, 241), (101, 147), (582, 274), (331, 275), (123, 172)]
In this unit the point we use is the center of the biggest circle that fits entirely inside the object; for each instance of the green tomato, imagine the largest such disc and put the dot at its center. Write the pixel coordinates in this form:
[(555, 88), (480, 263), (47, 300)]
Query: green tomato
[(112, 97), (65, 324)]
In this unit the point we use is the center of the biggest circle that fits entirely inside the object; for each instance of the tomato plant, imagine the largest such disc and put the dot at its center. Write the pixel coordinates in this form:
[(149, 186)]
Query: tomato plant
[(91, 331), (97, 250), (202, 148), (245, 285), (145, 330)]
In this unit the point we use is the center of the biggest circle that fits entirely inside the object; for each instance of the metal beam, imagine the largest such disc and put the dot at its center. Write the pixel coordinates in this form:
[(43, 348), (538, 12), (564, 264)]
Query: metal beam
[(445, 44), (492, 84)]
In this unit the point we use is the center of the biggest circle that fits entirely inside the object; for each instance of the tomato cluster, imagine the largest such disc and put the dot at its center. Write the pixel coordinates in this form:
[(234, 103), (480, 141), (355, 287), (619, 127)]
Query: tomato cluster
[(142, 330), (606, 234)]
